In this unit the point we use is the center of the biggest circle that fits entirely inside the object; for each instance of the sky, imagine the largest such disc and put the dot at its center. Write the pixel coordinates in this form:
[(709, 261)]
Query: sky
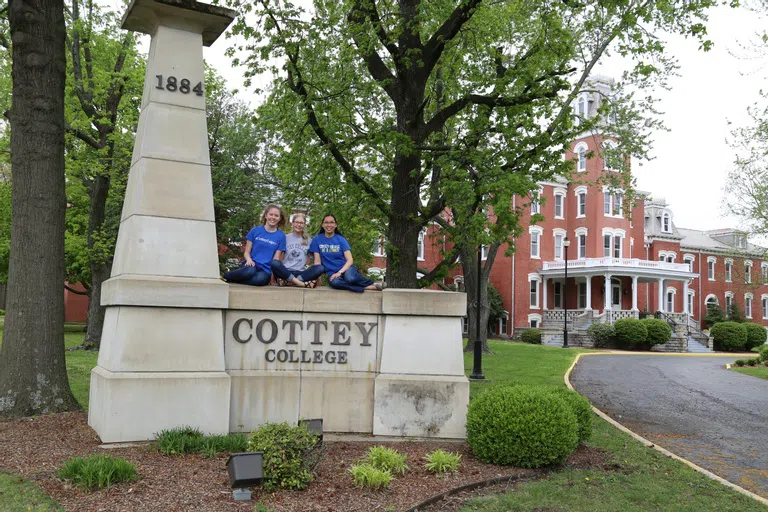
[(706, 102)]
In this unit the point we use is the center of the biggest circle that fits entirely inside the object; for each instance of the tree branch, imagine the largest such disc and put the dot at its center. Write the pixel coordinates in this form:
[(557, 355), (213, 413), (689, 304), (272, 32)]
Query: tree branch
[(447, 31), (78, 292), (379, 71), (80, 134)]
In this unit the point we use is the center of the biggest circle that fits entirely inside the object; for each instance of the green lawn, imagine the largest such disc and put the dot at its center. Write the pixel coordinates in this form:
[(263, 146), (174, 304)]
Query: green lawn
[(755, 371), (638, 478)]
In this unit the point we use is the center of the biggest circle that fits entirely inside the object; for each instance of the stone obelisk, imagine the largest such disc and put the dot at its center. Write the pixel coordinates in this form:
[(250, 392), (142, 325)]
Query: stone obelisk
[(161, 363)]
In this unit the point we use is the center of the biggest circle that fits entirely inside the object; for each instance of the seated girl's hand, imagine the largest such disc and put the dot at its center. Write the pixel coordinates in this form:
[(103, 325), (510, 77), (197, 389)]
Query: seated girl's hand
[(335, 275), (250, 263)]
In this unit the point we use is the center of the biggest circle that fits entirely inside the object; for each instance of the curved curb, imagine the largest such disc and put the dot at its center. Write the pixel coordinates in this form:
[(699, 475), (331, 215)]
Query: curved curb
[(470, 487), (656, 447)]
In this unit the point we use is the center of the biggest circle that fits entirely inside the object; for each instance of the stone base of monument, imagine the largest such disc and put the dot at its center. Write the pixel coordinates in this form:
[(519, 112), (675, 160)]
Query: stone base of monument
[(134, 406)]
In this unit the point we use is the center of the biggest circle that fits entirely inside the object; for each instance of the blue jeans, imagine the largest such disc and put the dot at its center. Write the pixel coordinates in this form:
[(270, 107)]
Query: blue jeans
[(351, 280), (306, 275), (253, 276)]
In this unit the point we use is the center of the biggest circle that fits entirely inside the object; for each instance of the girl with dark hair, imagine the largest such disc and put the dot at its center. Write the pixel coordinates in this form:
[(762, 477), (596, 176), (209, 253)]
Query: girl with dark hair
[(263, 244), (332, 250), (292, 268)]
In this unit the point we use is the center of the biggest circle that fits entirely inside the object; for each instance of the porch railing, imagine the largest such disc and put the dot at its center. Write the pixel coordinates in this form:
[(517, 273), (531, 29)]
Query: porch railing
[(615, 262), (558, 315), (618, 314)]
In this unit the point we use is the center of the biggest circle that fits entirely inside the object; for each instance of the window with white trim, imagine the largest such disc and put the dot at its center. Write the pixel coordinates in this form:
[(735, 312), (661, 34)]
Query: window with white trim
[(688, 259), (764, 272), (666, 223), (558, 292), (609, 160), (670, 306), (534, 292), (748, 272), (378, 247), (582, 297), (535, 232), (607, 245), (559, 199), (582, 237), (607, 202), (728, 302), (617, 246), (582, 155), (711, 268), (617, 204), (420, 246), (748, 305), (559, 235), (582, 204), (536, 201), (534, 321), (690, 302), (728, 270), (764, 302)]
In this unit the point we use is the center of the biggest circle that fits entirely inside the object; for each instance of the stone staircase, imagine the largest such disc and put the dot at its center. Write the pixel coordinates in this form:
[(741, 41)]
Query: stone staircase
[(696, 347)]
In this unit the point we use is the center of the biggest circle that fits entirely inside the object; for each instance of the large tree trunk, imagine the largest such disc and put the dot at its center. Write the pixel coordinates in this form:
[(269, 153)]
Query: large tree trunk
[(33, 374), (100, 269), (469, 265), (403, 227)]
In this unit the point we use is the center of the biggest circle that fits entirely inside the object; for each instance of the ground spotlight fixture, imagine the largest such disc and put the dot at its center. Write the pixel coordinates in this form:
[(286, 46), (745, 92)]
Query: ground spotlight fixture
[(315, 427), (244, 469)]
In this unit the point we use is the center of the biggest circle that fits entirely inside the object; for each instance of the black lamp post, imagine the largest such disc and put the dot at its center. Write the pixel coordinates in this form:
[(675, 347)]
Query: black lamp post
[(477, 370), (566, 243)]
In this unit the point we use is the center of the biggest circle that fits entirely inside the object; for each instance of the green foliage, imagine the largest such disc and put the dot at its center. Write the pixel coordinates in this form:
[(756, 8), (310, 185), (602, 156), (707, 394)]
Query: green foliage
[(659, 331), (496, 305), (756, 335), (387, 459), (440, 462), (580, 407), (532, 336), (729, 336), (97, 471), (601, 334), (735, 313), (764, 353), (365, 475), (630, 332), (260, 507), (740, 362), (285, 449), (714, 315), (182, 440), (522, 426)]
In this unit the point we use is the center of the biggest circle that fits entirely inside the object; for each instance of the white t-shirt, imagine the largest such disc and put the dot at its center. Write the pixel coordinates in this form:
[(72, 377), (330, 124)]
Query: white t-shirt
[(295, 252)]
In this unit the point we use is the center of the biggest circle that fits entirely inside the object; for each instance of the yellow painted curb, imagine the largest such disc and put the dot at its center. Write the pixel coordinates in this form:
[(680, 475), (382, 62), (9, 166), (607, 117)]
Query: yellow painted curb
[(654, 445)]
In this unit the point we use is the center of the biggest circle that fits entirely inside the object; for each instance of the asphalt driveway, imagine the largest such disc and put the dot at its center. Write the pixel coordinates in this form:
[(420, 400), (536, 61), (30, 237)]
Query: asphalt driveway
[(693, 406)]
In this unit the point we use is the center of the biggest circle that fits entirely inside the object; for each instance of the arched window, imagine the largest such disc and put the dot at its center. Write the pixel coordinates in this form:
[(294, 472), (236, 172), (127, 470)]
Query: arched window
[(581, 154), (666, 223), (609, 158)]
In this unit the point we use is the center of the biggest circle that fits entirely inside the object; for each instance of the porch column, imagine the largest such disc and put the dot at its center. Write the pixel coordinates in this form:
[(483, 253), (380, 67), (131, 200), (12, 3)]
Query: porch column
[(634, 293), (545, 304), (607, 292), (661, 295), (588, 305), (685, 297)]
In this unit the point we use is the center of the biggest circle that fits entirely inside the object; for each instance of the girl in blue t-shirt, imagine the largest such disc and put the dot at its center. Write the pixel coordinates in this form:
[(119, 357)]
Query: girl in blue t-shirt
[(332, 250), (263, 244)]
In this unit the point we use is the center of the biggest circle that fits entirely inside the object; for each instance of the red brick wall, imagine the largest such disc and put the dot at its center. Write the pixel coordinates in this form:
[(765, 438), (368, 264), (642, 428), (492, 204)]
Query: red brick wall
[(75, 305)]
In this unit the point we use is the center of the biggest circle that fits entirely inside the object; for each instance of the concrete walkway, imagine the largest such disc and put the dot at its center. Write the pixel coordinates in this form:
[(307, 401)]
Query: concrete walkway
[(693, 406)]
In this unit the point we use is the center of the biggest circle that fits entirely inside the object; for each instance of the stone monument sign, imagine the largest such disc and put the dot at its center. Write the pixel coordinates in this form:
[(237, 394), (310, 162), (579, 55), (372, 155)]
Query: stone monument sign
[(180, 347)]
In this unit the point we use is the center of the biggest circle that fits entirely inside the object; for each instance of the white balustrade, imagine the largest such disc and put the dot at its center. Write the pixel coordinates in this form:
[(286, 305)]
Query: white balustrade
[(616, 262)]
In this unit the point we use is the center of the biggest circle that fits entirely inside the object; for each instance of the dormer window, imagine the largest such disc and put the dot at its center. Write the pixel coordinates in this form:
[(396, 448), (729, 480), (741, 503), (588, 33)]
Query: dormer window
[(582, 108), (666, 223)]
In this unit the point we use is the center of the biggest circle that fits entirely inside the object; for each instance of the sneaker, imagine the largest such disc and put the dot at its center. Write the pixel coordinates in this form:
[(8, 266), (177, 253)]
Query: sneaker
[(381, 286)]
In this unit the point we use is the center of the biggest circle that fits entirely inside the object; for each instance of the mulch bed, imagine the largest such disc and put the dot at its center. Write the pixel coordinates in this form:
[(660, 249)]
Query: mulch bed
[(35, 448)]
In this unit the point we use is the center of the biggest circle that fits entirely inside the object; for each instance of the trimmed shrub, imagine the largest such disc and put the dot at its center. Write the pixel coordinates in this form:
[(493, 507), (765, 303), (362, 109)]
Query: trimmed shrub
[(522, 426), (739, 363), (764, 353), (756, 335), (440, 461), (365, 475), (285, 448), (753, 361), (630, 332), (532, 336), (580, 407), (659, 332), (387, 459), (97, 471), (729, 336), (601, 334)]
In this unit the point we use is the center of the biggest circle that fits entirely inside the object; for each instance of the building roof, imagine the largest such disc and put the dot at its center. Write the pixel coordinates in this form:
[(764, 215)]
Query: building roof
[(696, 239)]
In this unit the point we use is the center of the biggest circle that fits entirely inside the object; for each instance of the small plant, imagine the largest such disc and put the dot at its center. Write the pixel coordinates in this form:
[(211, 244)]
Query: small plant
[(260, 507), (532, 336), (97, 471), (753, 361), (181, 440), (365, 475), (440, 462), (601, 334), (739, 362), (387, 459), (764, 353), (285, 448)]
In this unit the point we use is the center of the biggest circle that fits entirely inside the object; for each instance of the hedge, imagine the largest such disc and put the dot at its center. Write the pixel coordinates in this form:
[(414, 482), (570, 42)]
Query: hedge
[(729, 336), (532, 336), (630, 332), (659, 331), (756, 335), (601, 334)]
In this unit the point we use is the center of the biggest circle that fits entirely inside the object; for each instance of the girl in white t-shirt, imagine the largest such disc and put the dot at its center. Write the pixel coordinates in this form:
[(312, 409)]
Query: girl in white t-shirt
[(293, 267)]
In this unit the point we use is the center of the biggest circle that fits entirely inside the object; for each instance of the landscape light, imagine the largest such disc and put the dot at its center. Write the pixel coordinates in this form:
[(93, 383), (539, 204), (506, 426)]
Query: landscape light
[(315, 427), (244, 469)]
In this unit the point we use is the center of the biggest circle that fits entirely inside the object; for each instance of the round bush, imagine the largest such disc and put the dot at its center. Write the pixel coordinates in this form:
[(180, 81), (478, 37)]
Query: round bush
[(756, 335), (601, 334), (729, 336), (659, 331), (580, 407), (764, 353), (523, 426), (630, 332), (531, 336)]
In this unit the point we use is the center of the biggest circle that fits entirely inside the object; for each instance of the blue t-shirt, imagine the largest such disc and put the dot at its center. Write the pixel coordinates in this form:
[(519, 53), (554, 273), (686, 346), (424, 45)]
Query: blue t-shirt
[(264, 246), (331, 251)]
